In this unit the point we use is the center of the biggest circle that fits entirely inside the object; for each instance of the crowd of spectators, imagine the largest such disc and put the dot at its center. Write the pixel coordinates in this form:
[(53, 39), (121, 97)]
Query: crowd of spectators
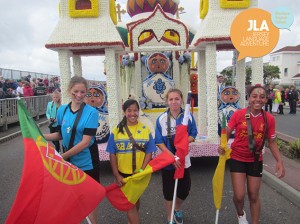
[(27, 86), (278, 97)]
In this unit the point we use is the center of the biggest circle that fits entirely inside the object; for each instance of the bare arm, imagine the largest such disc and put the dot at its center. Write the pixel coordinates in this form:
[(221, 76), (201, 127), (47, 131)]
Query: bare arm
[(221, 150), (53, 136), (228, 132), (147, 159), (191, 139), (114, 167), (163, 148), (280, 170), (86, 139)]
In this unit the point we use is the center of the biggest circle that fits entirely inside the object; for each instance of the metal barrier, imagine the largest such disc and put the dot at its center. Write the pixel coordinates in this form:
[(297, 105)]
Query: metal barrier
[(36, 105)]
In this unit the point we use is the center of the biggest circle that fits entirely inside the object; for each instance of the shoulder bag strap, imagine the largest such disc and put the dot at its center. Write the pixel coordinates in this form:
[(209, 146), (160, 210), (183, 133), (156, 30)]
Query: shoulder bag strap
[(251, 141), (265, 130), (75, 125), (134, 147), (169, 136)]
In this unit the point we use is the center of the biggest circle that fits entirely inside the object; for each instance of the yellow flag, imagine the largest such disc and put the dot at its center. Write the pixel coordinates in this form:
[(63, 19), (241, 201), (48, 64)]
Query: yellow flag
[(218, 178)]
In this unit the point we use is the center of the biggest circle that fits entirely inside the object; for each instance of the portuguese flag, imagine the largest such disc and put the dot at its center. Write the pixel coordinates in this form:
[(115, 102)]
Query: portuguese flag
[(124, 198), (51, 189)]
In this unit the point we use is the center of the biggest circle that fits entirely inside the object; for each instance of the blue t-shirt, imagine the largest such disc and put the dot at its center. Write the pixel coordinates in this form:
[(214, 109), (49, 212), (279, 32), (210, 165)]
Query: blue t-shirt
[(51, 112), (87, 125), (161, 131)]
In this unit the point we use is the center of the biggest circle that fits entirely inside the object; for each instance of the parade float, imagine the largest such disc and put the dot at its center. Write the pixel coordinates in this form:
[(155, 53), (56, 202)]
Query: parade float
[(153, 33)]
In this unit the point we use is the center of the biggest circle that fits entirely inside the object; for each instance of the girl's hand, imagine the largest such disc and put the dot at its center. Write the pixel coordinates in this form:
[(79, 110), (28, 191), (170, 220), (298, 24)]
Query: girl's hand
[(280, 171), (177, 164), (119, 180), (221, 150)]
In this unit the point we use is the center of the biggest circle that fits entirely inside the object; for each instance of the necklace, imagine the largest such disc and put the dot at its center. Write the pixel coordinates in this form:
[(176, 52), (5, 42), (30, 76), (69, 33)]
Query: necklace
[(255, 120)]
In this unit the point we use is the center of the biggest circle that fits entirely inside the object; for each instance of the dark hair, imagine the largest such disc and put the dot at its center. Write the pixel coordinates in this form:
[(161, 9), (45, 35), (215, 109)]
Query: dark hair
[(256, 87), (126, 104)]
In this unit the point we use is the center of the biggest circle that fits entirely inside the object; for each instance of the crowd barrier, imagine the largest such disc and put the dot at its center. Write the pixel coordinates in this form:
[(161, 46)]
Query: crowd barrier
[(36, 105)]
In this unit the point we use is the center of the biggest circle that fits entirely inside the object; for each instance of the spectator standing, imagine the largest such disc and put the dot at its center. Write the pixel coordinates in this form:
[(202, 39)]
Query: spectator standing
[(27, 78), (51, 114), (282, 93), (220, 85), (9, 93), (19, 89), (27, 90), (46, 82), (2, 94), (286, 94), (40, 89), (293, 98), (50, 88), (276, 100), (33, 83), (270, 96), (7, 85)]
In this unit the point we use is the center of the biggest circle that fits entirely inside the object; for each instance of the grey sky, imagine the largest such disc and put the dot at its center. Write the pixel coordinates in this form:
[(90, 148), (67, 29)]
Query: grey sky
[(26, 26)]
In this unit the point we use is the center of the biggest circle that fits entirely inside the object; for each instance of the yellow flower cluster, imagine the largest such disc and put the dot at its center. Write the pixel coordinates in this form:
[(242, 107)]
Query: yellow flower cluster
[(93, 12), (227, 4)]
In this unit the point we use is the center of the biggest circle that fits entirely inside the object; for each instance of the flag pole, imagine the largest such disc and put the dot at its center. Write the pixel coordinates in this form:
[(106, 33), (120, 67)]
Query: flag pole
[(217, 216), (185, 122), (174, 200), (88, 220)]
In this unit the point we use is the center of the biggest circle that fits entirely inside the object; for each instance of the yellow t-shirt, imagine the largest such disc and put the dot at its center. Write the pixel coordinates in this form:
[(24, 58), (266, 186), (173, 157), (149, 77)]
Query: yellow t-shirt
[(121, 145)]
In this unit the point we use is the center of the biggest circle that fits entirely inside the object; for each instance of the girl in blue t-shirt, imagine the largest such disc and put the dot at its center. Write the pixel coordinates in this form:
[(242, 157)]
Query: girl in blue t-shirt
[(78, 141)]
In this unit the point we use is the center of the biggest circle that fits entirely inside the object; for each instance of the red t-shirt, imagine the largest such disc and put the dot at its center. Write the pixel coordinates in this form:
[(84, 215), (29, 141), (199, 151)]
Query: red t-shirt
[(240, 150)]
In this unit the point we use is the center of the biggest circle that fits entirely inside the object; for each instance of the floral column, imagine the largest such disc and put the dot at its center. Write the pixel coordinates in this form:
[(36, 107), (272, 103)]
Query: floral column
[(65, 73), (138, 76), (77, 67), (176, 72), (113, 88), (240, 80), (184, 80), (257, 71), (212, 110), (202, 96)]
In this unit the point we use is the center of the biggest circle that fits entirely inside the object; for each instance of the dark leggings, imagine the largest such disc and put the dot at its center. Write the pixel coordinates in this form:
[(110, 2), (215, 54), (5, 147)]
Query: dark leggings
[(184, 184), (55, 143), (94, 173)]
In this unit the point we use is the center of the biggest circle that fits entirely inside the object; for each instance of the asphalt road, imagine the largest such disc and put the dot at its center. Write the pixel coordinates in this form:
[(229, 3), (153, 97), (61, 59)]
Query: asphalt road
[(198, 208), (288, 124)]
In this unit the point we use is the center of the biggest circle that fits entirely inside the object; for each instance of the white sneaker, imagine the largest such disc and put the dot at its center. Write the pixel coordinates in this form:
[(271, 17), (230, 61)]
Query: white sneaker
[(242, 219)]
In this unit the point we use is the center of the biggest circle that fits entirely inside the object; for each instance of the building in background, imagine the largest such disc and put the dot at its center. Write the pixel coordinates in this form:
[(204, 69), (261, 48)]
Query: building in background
[(288, 61)]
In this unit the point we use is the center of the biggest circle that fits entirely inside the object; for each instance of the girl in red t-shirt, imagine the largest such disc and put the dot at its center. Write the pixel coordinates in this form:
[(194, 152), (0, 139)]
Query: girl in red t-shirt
[(243, 167)]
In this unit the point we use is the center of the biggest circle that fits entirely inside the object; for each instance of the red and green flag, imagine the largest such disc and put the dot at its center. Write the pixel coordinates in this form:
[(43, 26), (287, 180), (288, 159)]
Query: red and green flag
[(125, 197), (51, 189)]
